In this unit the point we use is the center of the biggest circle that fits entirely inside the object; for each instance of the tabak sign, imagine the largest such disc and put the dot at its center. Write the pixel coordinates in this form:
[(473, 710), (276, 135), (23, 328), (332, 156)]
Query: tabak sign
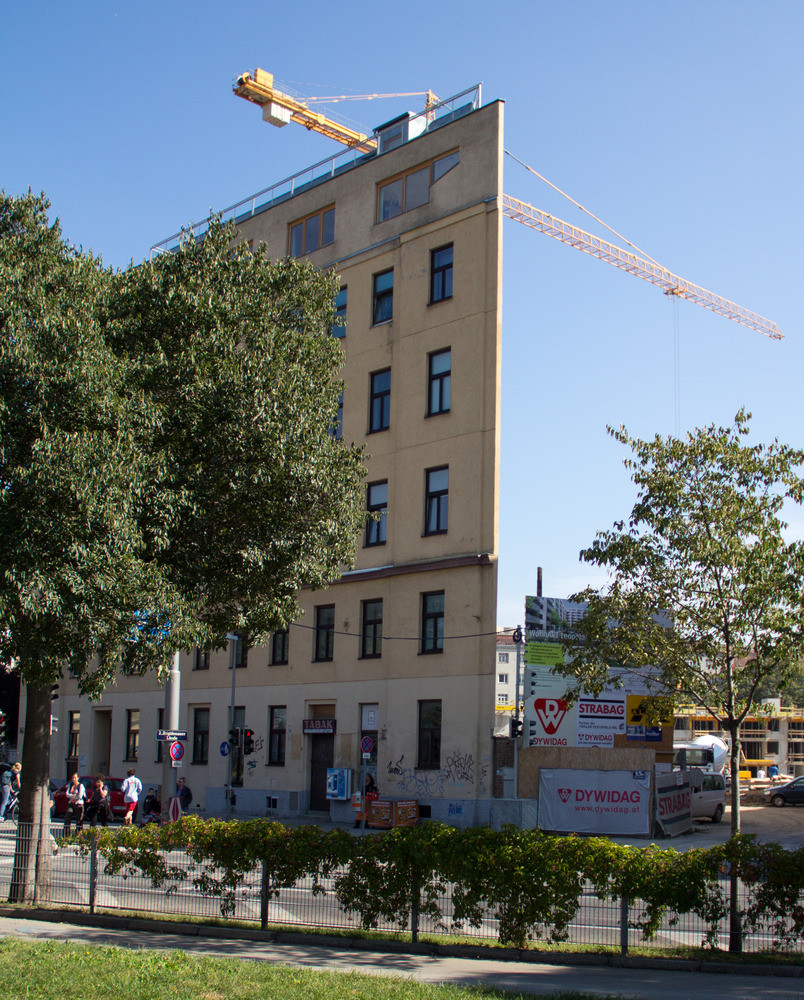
[(585, 801), (316, 726)]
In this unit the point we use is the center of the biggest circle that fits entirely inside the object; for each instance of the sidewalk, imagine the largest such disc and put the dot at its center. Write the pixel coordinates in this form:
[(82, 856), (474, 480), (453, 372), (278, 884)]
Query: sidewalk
[(640, 979)]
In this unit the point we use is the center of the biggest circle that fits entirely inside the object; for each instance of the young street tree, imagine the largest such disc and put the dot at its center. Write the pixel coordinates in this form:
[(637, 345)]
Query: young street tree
[(704, 586), (168, 470)]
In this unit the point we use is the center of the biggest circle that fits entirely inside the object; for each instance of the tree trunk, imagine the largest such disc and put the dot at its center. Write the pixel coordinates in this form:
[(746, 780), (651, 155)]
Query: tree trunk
[(735, 917), (30, 879)]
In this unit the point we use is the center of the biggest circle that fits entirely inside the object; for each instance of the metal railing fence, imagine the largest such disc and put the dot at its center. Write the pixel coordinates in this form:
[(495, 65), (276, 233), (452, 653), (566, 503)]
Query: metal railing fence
[(78, 878)]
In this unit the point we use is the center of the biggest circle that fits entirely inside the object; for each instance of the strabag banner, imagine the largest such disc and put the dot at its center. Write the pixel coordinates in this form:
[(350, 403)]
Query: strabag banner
[(598, 802), (673, 803)]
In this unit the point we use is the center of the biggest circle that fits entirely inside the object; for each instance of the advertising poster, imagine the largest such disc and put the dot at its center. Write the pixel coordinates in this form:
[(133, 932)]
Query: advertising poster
[(600, 719), (596, 802), (673, 804), (636, 729)]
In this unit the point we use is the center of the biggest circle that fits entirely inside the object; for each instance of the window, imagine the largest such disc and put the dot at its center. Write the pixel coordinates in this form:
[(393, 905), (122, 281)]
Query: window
[(412, 189), (339, 329), (383, 297), (336, 430), (371, 639), (502, 699), (324, 632), (429, 735), (241, 652), (279, 646), (436, 501), (439, 378), (73, 734), (314, 231), (502, 678), (433, 622), (201, 736), (201, 659), (132, 733), (277, 727), (377, 504), (502, 657), (441, 274), (380, 401), (160, 744)]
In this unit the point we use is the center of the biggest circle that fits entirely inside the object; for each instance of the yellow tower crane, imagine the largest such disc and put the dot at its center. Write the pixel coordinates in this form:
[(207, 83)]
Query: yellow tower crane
[(279, 109)]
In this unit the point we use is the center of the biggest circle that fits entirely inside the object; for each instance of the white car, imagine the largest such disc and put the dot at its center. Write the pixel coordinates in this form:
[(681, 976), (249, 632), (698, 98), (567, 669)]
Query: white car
[(708, 795)]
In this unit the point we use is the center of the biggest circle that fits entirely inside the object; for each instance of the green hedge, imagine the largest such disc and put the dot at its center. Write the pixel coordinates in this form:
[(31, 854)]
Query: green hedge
[(532, 882)]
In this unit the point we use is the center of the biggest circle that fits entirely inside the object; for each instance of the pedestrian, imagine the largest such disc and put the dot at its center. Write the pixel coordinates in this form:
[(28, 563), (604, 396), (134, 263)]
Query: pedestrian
[(184, 795), (131, 788), (151, 809), (76, 798), (98, 809), (10, 783), (773, 772)]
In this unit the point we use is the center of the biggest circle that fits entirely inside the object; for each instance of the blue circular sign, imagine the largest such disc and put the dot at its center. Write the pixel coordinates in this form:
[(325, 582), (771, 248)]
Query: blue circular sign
[(367, 744), (225, 748), (176, 751)]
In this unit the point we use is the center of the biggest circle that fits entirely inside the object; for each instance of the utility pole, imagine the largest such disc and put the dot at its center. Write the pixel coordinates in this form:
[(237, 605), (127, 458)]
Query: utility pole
[(517, 637), (233, 638), (170, 721)]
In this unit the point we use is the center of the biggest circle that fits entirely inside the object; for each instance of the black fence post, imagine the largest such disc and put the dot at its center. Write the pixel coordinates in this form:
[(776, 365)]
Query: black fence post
[(93, 874), (623, 925), (265, 894)]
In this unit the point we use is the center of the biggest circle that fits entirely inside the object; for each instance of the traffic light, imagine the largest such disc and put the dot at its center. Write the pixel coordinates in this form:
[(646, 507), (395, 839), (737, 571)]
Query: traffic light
[(234, 738), (516, 728), (248, 742)]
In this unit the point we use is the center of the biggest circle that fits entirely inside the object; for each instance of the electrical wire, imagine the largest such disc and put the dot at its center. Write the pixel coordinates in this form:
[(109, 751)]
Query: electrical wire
[(394, 638)]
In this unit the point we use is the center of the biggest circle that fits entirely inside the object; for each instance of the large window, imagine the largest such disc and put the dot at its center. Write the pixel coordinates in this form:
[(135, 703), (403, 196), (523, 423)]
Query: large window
[(412, 189), (279, 647), (377, 494), (439, 382), (160, 744), (73, 734), (241, 654), (313, 231), (132, 733), (339, 329), (201, 736), (429, 735), (441, 274), (201, 659), (433, 622), (277, 727), (382, 302), (436, 500), (371, 639), (380, 401), (324, 632)]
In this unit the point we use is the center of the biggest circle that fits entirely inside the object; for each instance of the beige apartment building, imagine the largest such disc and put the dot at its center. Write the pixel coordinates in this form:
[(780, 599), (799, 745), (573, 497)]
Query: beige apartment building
[(400, 650)]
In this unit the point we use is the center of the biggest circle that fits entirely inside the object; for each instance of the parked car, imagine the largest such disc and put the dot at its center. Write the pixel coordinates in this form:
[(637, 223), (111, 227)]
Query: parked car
[(708, 795), (790, 791), (116, 801)]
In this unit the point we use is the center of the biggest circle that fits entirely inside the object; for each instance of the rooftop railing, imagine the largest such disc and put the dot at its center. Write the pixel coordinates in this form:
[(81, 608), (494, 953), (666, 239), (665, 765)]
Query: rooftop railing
[(436, 116)]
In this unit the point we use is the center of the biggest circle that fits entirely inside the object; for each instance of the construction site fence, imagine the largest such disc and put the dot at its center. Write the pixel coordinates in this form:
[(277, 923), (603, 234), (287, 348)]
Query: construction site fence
[(79, 880)]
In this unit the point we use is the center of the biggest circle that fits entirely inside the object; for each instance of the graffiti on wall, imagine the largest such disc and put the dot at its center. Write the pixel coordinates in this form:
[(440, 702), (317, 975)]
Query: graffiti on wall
[(459, 768)]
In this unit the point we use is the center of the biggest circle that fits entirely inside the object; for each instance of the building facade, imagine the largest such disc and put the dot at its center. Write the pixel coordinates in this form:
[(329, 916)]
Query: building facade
[(399, 652)]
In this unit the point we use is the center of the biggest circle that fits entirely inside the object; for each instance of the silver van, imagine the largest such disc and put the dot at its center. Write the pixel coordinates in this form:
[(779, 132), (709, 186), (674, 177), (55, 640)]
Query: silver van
[(708, 795)]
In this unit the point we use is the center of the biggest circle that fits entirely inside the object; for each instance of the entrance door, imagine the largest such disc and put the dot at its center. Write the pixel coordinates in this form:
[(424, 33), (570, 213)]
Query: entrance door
[(322, 755)]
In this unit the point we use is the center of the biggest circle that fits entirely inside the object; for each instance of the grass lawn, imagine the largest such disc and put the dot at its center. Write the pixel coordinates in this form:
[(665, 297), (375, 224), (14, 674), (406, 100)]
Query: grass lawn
[(62, 971)]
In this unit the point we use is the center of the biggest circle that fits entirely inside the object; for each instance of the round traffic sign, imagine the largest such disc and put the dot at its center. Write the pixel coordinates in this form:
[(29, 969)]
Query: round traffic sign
[(176, 751), (367, 744), (225, 748)]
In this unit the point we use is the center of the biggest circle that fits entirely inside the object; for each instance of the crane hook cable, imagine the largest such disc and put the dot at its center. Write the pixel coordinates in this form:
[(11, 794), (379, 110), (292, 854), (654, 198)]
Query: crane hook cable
[(578, 205)]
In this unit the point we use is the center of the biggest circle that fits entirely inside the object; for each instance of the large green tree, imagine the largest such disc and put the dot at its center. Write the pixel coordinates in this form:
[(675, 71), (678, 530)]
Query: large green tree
[(168, 471), (705, 587), (706, 592)]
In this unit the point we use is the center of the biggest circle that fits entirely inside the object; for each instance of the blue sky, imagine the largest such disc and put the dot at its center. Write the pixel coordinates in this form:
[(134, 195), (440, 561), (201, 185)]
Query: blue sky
[(679, 124)]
